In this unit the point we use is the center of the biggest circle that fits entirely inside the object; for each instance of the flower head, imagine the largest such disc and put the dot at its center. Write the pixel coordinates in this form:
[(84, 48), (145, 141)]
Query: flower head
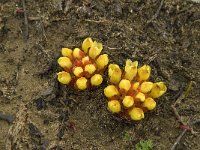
[(84, 65), (136, 114), (64, 77), (114, 106), (130, 93), (114, 73)]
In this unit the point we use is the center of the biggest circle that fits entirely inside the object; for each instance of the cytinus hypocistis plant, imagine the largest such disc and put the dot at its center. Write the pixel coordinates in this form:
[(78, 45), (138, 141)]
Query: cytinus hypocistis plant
[(83, 67), (130, 93)]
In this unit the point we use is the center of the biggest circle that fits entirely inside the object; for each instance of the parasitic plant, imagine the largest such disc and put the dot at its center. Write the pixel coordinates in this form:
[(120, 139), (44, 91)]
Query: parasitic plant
[(82, 68), (130, 93)]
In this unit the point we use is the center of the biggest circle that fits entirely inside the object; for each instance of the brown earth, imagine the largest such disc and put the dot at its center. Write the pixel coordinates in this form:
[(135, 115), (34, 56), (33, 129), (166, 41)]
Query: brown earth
[(49, 116)]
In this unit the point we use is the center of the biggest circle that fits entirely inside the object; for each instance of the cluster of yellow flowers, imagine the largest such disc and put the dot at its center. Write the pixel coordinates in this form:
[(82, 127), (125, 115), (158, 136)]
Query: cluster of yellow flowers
[(130, 93), (83, 68)]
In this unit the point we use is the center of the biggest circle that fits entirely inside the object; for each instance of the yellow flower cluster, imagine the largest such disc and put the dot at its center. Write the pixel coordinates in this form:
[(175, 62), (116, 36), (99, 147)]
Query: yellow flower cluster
[(83, 67), (130, 93)]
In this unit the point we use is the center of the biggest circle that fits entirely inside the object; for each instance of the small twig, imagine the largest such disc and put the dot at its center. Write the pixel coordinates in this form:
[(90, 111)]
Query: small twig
[(178, 139), (157, 12), (95, 21), (34, 18), (112, 48), (75, 101), (25, 19), (185, 126), (179, 99), (178, 117), (183, 133)]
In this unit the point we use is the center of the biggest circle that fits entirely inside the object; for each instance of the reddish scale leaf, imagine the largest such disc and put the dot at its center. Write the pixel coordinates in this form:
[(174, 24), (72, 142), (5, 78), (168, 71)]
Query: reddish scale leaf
[(67, 70), (131, 93), (113, 97), (77, 63), (82, 54), (87, 75), (122, 92), (73, 81), (88, 84), (82, 74), (87, 62), (137, 101), (144, 109)]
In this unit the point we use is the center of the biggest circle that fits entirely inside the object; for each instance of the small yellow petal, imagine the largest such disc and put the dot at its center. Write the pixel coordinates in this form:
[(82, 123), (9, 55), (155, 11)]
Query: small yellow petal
[(144, 72), (96, 79), (135, 85), (77, 71), (114, 106), (95, 50), (158, 89), (66, 52), (136, 114), (90, 68), (65, 62), (140, 96), (87, 43), (146, 87), (81, 83), (110, 91), (77, 53), (130, 69), (102, 61), (64, 77), (128, 101), (125, 84), (114, 73), (149, 103)]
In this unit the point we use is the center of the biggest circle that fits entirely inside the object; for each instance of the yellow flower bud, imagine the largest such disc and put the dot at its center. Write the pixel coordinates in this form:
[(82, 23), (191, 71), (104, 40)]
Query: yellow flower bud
[(149, 103), (114, 73), (77, 71), (136, 113), (96, 79), (102, 61), (135, 85), (144, 72), (95, 50), (128, 101), (66, 52), (77, 53), (146, 87), (81, 83), (87, 43), (130, 69), (64, 77), (85, 59), (90, 68), (114, 106), (140, 96), (125, 84), (65, 62), (158, 89), (110, 91)]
